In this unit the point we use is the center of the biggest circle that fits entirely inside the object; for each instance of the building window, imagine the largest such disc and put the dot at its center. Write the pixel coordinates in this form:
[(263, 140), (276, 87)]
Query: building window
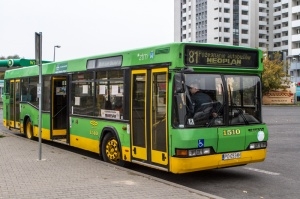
[(244, 41), (244, 31), (244, 3), (226, 39), (244, 21), (244, 12)]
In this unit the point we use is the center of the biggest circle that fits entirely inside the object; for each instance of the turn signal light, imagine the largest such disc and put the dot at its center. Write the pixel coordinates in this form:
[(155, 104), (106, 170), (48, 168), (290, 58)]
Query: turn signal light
[(192, 152), (258, 145)]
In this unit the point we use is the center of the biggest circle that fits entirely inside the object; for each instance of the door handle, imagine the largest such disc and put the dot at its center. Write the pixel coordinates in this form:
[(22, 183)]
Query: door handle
[(134, 150), (163, 157)]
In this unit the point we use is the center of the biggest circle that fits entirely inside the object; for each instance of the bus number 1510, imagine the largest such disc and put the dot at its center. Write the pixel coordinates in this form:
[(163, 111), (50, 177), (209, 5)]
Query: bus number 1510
[(231, 132)]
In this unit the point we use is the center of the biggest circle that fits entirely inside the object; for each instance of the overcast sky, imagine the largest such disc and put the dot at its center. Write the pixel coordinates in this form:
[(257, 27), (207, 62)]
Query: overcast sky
[(83, 27)]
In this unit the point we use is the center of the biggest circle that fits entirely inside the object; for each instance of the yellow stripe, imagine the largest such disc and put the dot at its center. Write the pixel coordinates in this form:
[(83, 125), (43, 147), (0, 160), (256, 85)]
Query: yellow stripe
[(126, 155), (59, 132), (4, 123), (45, 133), (84, 143), (184, 165), (93, 146)]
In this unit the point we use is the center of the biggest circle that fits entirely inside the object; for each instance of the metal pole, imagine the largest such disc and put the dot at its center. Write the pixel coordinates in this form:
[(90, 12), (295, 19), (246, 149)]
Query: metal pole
[(57, 46), (40, 97), (54, 54)]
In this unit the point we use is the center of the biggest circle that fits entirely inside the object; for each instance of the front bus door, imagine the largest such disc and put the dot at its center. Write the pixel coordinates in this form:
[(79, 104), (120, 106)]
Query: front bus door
[(148, 117), (14, 104), (59, 110)]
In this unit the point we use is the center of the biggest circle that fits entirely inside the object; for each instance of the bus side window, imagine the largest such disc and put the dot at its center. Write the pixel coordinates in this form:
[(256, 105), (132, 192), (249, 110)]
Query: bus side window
[(108, 105), (100, 102), (118, 107)]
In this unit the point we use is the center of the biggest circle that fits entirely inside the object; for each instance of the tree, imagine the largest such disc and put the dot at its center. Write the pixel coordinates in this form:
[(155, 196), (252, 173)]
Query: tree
[(274, 75), (10, 57)]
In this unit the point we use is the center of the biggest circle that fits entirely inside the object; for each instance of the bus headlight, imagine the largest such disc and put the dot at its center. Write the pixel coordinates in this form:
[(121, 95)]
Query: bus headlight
[(192, 152), (258, 145)]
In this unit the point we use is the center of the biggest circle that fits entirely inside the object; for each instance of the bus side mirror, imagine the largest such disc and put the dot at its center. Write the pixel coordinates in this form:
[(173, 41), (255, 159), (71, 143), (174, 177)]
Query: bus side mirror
[(180, 109), (178, 87)]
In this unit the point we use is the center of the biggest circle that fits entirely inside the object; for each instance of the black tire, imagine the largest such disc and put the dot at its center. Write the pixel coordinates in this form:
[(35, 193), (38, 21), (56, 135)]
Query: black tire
[(29, 129), (111, 150)]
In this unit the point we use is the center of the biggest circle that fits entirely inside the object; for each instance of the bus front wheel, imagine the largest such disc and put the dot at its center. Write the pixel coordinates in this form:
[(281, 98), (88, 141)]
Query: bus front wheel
[(29, 130), (111, 151)]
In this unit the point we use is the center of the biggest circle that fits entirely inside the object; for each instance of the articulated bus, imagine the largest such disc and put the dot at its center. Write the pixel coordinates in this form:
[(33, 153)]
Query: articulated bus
[(135, 106)]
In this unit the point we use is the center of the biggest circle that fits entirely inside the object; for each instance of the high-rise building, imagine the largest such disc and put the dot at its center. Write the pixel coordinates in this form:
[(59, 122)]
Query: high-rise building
[(271, 25)]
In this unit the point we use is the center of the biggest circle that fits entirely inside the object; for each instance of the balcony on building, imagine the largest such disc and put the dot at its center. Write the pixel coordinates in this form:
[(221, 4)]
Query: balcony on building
[(262, 40), (262, 31), (295, 9), (263, 14), (262, 5), (227, 5), (295, 49), (296, 23), (284, 19), (277, 5), (284, 11), (296, 38), (277, 21), (284, 47), (263, 23), (295, 64), (284, 28), (284, 38)]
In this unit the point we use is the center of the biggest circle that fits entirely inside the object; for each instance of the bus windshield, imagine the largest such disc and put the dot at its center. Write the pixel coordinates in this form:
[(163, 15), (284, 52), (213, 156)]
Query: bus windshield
[(216, 100)]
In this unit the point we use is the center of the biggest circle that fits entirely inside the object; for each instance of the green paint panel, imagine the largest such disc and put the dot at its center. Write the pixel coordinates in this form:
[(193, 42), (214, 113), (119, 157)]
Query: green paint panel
[(91, 128), (231, 139), (188, 138)]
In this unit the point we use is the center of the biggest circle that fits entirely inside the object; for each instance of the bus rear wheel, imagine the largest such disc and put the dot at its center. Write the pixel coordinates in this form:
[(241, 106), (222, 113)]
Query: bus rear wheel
[(29, 130), (111, 150)]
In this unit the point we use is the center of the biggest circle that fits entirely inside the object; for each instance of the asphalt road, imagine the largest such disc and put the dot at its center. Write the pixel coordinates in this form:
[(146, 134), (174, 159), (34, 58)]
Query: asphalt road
[(275, 178)]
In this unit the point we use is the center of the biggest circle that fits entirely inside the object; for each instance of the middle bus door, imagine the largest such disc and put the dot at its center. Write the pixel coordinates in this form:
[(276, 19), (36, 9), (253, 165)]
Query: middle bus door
[(59, 109), (148, 117), (14, 104)]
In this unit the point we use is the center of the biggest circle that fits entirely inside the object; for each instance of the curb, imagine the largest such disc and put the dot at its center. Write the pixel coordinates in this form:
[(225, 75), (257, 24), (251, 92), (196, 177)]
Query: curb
[(6, 132)]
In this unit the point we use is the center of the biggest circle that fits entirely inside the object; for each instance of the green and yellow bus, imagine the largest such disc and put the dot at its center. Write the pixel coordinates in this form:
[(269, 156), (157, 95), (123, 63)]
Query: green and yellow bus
[(135, 106)]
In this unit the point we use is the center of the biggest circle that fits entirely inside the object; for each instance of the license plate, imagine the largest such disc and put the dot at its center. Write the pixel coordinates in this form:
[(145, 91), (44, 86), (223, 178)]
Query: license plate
[(229, 156)]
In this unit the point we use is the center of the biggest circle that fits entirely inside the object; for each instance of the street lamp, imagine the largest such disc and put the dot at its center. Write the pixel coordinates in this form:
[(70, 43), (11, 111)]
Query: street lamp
[(57, 46)]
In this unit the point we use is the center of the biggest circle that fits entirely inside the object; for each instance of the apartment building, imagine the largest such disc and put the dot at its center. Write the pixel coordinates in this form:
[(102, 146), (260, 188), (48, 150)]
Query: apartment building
[(271, 25)]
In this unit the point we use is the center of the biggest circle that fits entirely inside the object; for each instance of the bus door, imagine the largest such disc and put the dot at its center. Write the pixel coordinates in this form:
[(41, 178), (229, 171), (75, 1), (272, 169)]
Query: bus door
[(148, 117), (14, 104), (59, 110)]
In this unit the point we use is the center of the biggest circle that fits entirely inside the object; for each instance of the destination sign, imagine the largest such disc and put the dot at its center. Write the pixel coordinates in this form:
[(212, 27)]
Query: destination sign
[(105, 62), (214, 56)]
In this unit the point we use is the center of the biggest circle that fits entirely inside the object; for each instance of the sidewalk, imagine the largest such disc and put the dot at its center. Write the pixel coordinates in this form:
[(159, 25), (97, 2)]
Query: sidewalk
[(64, 174)]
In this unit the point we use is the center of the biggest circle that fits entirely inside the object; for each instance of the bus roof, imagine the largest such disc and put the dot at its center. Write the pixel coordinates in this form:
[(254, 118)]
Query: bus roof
[(172, 54)]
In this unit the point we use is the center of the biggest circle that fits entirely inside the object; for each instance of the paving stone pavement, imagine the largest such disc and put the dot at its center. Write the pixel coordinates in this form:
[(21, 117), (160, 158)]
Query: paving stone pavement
[(65, 174)]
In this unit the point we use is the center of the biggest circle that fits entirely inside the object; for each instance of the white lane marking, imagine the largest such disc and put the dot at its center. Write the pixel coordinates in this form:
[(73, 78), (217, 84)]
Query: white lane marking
[(262, 171)]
